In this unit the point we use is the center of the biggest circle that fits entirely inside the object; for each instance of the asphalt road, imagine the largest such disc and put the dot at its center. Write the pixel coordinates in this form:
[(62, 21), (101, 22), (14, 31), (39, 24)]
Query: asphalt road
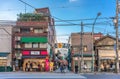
[(102, 76), (39, 75)]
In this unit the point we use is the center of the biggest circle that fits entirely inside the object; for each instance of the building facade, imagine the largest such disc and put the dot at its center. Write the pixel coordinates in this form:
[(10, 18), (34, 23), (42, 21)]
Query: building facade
[(33, 41), (105, 53), (5, 45), (77, 59)]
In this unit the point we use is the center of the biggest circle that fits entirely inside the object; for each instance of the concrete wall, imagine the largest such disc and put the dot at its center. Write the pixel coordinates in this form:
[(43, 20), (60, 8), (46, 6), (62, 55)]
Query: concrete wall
[(5, 42), (5, 38)]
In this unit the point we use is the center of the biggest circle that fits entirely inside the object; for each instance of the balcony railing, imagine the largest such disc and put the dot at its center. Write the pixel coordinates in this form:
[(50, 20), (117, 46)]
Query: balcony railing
[(31, 34), (31, 23)]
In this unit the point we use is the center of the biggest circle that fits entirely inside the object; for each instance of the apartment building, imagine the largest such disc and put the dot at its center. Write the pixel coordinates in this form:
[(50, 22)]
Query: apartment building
[(33, 41)]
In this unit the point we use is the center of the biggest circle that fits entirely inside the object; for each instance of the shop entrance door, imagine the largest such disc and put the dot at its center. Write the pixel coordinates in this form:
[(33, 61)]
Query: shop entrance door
[(34, 65)]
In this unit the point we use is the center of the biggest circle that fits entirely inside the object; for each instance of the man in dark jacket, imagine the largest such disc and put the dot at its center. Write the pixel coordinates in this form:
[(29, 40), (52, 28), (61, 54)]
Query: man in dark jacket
[(76, 68)]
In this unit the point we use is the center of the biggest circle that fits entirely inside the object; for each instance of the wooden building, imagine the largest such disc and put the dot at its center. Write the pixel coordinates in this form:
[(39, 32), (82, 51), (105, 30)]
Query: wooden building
[(105, 53)]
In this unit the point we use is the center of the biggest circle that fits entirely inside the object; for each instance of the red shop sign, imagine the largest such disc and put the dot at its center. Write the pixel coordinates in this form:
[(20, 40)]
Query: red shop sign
[(44, 53), (25, 52)]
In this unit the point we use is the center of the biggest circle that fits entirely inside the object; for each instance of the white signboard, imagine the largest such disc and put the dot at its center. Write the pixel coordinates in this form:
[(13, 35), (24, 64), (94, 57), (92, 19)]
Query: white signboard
[(35, 52), (63, 52), (3, 57)]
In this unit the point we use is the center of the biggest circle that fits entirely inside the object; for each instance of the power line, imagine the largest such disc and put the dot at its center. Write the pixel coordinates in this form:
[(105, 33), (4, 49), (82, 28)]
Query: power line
[(35, 8), (85, 24), (27, 4), (67, 21), (63, 20), (84, 33), (108, 18)]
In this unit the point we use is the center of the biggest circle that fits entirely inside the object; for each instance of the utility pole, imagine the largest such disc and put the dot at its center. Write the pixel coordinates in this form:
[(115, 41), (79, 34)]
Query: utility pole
[(116, 27), (81, 48)]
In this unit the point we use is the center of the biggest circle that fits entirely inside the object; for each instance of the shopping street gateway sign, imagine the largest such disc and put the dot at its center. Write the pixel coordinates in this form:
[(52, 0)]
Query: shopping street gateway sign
[(62, 45)]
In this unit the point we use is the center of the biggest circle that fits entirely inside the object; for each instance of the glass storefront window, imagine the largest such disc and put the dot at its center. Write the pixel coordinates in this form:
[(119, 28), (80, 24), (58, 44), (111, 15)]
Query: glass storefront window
[(107, 65), (3, 62)]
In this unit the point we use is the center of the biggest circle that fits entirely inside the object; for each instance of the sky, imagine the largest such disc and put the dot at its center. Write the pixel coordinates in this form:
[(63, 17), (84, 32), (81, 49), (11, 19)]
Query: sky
[(65, 10)]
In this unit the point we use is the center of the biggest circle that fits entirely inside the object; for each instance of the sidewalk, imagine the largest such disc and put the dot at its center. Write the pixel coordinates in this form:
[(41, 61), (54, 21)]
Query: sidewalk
[(59, 71)]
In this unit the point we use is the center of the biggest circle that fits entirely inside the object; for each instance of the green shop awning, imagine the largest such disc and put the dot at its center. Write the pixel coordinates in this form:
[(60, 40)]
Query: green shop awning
[(34, 39)]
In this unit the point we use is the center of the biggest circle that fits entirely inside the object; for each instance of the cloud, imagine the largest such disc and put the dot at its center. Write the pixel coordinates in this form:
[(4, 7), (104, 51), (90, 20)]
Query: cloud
[(8, 16), (73, 0)]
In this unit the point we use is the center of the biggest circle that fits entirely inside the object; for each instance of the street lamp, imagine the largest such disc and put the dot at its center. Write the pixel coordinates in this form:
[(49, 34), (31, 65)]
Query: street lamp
[(93, 40)]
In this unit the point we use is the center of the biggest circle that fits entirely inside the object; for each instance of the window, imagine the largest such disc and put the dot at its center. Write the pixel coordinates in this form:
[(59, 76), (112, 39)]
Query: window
[(17, 30), (75, 49), (46, 29), (18, 54), (43, 45), (108, 47), (85, 48), (17, 45), (96, 38), (110, 42), (25, 30), (28, 45), (35, 45), (38, 30), (17, 38)]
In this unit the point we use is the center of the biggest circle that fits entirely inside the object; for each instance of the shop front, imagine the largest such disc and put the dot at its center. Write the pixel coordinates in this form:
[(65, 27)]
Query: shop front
[(5, 62), (5, 59), (85, 65), (106, 60), (35, 61)]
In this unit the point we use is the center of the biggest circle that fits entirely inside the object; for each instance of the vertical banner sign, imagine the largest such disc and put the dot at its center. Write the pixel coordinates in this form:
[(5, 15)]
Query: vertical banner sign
[(47, 65)]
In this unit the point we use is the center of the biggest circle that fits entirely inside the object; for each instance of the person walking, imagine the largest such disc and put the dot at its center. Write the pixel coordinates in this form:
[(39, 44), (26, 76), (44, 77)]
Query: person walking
[(28, 65), (76, 68), (61, 68), (64, 68)]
